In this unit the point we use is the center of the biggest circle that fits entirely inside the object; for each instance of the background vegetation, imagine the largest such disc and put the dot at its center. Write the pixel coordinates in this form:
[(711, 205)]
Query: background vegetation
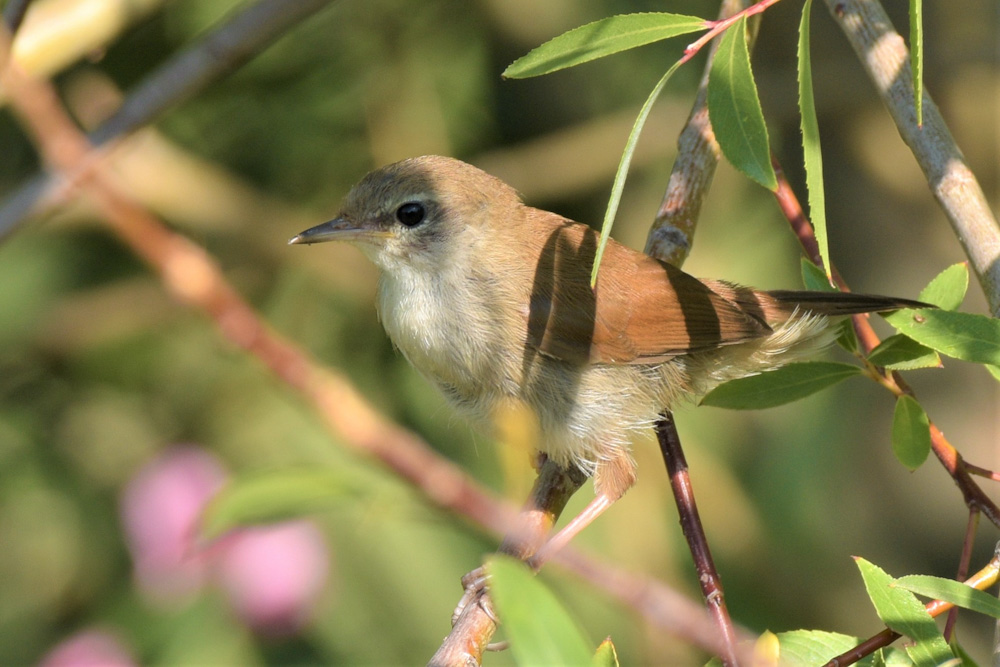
[(105, 382)]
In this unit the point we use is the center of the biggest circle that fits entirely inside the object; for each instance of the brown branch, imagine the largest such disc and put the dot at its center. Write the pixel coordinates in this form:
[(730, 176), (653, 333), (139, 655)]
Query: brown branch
[(694, 532), (192, 70), (190, 275), (672, 233), (884, 56)]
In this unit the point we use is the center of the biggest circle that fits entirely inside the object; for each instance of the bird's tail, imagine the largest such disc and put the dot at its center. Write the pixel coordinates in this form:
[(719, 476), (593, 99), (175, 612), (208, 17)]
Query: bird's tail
[(778, 305)]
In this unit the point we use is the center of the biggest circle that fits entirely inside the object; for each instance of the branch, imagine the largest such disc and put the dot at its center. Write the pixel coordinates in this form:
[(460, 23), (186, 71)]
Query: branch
[(192, 70), (884, 56)]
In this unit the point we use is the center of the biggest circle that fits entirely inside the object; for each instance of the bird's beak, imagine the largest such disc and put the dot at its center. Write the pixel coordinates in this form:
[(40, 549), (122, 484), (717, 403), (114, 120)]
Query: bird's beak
[(338, 229)]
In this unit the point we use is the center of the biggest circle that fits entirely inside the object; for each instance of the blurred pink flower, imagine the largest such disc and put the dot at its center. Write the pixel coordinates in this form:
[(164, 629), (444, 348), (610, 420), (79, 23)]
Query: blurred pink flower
[(161, 507), (273, 575), (90, 648)]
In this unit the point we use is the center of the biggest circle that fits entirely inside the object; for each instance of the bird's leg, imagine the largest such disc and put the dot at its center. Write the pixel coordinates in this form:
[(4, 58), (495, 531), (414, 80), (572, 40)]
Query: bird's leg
[(612, 479), (553, 488)]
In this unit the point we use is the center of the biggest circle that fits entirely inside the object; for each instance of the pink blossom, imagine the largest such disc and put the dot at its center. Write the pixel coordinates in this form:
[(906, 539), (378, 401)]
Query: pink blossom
[(273, 575), (161, 508), (90, 648)]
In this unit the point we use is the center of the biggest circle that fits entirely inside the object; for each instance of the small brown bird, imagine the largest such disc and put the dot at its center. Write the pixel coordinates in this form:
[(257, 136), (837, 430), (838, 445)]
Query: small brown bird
[(491, 301)]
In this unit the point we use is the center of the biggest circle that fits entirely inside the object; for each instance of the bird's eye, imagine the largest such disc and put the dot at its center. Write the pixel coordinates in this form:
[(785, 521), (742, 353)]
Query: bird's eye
[(410, 214)]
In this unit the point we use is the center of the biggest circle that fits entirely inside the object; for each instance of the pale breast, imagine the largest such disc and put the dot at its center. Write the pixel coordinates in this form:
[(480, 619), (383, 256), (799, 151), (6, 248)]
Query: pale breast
[(432, 321)]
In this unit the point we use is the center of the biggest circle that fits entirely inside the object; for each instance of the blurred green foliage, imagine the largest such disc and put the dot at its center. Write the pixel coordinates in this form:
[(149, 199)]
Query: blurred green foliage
[(100, 370)]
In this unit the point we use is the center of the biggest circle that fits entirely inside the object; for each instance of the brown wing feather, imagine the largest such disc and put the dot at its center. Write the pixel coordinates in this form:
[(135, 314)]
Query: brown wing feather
[(641, 311)]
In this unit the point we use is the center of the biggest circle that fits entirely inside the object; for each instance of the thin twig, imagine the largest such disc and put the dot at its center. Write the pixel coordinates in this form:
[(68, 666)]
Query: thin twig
[(694, 532), (192, 70), (722, 25), (884, 56), (963, 567)]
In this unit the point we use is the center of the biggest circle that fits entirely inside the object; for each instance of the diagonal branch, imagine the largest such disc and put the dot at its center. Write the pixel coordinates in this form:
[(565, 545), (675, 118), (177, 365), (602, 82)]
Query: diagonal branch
[(192, 70), (885, 58)]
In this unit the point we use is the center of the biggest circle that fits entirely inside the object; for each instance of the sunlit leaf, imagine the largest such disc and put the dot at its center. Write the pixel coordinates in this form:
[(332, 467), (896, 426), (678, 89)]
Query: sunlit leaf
[(273, 496), (606, 655), (813, 277), (602, 38), (965, 336), (900, 353), (813, 155), (947, 290), (619, 184), (900, 610), (911, 435), (788, 383), (917, 55), (540, 630), (952, 591), (800, 648), (734, 108)]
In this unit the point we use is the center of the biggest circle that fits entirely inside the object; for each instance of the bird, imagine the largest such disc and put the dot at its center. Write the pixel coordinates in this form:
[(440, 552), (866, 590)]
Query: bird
[(491, 301)]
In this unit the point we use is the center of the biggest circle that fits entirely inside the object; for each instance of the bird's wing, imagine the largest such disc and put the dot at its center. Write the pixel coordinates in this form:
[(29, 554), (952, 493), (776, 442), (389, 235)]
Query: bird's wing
[(641, 310)]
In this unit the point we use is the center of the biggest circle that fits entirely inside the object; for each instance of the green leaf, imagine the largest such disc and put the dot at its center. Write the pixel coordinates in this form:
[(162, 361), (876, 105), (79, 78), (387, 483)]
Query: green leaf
[(952, 591), (994, 371), (911, 435), (602, 38), (788, 383), (813, 155), (623, 165), (272, 496), (900, 353), (734, 108), (947, 290), (965, 336), (900, 610), (804, 648), (813, 277), (606, 655), (540, 630), (917, 55)]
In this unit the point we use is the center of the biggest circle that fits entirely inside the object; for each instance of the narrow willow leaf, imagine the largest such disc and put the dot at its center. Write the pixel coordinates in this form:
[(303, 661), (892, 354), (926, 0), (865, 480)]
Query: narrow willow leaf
[(788, 383), (911, 435), (917, 55), (900, 353), (965, 336), (606, 655), (540, 630), (900, 610), (813, 156), (272, 496), (734, 108), (994, 371), (952, 591), (619, 184), (602, 38), (947, 290)]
